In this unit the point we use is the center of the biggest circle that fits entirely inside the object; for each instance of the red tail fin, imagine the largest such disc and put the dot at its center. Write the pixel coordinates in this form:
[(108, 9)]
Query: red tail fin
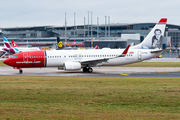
[(14, 44), (96, 47), (163, 20)]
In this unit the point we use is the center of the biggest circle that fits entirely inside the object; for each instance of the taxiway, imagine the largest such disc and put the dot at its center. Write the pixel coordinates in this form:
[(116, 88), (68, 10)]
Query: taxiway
[(98, 72)]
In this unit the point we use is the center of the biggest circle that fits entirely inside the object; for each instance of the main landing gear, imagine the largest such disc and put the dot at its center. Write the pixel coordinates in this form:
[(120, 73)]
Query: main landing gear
[(87, 69), (20, 71)]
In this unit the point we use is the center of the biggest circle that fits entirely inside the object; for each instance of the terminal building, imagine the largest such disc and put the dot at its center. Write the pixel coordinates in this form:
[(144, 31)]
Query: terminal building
[(112, 36)]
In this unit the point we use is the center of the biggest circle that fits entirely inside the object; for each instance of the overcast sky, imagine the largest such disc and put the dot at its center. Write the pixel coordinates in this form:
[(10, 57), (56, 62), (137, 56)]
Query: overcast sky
[(23, 13)]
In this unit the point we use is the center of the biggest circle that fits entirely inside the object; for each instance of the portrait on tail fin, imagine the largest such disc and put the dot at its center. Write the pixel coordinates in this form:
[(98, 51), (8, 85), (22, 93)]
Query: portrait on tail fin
[(157, 39), (154, 39)]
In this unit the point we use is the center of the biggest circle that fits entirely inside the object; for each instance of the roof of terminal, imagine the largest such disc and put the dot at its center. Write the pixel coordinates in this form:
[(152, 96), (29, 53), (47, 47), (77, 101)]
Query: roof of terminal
[(44, 28)]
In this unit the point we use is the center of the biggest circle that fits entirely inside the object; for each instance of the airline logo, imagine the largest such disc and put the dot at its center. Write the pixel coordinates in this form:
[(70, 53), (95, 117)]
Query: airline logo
[(16, 49), (131, 52), (7, 45), (5, 39), (60, 44), (14, 44)]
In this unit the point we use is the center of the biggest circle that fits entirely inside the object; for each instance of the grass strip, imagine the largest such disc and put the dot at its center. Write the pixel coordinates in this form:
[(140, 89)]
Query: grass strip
[(24, 97)]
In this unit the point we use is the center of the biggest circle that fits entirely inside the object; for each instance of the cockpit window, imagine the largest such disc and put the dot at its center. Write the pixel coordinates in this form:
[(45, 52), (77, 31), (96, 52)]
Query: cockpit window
[(13, 56)]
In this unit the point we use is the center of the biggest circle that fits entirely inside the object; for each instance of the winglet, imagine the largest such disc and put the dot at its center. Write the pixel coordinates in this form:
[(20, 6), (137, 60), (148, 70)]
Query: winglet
[(125, 52), (163, 20)]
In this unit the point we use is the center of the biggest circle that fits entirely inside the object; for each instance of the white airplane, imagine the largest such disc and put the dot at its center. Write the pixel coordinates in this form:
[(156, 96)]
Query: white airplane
[(15, 49), (8, 48), (86, 59), (22, 49)]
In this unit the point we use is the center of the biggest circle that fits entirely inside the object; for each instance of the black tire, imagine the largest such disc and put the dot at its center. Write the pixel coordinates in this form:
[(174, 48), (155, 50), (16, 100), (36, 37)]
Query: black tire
[(90, 70), (20, 71), (85, 69)]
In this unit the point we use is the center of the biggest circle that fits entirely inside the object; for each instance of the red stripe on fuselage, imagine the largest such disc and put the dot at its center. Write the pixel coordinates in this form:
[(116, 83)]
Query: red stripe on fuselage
[(27, 59)]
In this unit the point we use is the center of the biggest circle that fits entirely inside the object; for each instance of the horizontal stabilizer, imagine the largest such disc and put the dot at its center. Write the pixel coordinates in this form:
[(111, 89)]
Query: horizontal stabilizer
[(158, 51)]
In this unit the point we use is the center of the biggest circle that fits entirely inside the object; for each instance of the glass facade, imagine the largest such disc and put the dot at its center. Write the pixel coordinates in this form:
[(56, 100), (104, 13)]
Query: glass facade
[(42, 32)]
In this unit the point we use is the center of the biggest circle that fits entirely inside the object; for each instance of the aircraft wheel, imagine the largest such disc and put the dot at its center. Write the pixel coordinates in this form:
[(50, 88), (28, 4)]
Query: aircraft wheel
[(90, 70), (85, 69), (20, 71)]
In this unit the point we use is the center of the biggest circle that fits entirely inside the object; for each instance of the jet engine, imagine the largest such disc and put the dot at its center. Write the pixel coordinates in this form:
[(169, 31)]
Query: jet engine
[(72, 66)]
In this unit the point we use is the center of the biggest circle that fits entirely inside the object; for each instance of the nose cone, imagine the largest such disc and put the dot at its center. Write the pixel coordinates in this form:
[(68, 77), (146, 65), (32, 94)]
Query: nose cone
[(7, 61)]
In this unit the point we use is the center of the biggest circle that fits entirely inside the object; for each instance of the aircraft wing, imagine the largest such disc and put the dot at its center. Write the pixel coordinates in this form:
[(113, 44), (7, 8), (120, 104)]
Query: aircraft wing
[(94, 62), (100, 60)]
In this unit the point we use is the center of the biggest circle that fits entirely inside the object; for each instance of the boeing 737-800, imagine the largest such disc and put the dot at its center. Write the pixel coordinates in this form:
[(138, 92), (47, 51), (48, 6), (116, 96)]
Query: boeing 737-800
[(86, 59)]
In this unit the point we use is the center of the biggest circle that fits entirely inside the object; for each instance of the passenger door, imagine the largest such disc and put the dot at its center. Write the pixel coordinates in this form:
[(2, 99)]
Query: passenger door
[(25, 58), (139, 55)]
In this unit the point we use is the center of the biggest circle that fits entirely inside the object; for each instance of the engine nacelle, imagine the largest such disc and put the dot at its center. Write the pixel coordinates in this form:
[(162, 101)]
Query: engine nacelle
[(72, 66)]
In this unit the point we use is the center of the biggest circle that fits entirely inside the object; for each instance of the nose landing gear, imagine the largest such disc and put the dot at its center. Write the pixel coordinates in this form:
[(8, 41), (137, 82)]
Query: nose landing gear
[(20, 71)]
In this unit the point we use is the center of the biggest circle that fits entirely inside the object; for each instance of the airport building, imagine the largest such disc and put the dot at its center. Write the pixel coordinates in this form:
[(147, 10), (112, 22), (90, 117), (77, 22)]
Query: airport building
[(113, 35)]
